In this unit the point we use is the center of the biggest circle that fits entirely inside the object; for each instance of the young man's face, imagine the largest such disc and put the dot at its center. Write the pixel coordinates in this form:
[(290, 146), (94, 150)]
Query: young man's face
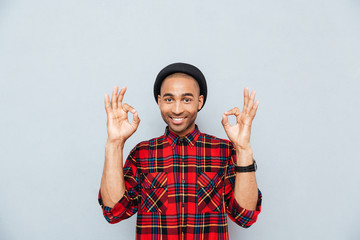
[(179, 102)]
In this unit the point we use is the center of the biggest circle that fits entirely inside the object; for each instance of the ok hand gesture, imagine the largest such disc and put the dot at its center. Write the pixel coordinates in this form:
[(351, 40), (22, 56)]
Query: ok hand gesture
[(239, 133), (118, 126)]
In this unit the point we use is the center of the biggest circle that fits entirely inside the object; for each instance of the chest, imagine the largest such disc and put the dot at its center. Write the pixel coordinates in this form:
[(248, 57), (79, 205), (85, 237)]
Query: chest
[(183, 159), (184, 174)]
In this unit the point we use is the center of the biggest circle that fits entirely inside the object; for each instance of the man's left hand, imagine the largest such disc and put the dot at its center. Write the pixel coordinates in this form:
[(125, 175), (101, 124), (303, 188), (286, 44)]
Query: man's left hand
[(239, 133)]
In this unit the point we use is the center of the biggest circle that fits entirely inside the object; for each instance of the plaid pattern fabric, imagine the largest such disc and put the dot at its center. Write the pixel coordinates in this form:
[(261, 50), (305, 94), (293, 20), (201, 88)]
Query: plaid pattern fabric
[(181, 188)]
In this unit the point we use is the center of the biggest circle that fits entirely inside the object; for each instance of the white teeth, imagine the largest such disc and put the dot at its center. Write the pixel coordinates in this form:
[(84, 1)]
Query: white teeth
[(178, 119)]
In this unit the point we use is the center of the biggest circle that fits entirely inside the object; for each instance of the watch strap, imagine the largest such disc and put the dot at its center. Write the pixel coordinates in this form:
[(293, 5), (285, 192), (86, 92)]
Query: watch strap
[(250, 168)]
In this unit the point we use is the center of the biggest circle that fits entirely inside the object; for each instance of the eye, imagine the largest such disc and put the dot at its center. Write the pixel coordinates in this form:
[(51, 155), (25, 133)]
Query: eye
[(187, 100), (168, 100)]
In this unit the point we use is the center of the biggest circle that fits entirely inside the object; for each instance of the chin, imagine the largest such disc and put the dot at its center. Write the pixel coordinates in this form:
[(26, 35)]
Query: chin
[(179, 130)]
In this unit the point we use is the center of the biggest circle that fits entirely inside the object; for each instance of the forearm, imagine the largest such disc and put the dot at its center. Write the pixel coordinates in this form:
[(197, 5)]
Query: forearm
[(112, 182), (245, 190)]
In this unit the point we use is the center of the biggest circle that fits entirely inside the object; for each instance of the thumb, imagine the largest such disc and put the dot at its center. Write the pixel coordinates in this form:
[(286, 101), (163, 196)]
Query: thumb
[(225, 121), (136, 120)]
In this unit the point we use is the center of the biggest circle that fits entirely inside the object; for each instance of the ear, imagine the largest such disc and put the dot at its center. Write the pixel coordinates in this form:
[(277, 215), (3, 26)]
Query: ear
[(159, 99), (201, 102)]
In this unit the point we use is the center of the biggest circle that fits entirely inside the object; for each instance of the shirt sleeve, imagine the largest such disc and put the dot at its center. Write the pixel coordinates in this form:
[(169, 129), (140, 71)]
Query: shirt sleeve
[(241, 216), (128, 204)]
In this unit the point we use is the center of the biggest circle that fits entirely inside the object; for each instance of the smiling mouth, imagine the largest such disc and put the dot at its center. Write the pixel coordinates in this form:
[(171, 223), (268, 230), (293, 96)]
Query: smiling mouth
[(177, 120)]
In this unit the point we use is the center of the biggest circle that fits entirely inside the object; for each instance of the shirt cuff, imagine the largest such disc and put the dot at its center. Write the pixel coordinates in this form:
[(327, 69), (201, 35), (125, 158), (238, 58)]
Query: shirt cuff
[(242, 216), (114, 214)]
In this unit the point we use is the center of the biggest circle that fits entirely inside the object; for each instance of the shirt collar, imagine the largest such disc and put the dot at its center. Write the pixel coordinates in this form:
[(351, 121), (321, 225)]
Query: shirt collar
[(189, 139)]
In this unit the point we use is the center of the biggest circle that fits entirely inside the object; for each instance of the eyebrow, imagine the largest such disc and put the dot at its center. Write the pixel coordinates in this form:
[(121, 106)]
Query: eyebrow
[(183, 95)]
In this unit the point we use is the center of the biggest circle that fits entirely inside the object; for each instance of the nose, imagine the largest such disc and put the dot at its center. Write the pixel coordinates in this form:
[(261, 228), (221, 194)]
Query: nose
[(177, 108)]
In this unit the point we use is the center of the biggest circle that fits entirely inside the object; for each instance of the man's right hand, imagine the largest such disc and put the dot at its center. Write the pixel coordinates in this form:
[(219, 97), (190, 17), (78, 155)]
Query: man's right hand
[(118, 126)]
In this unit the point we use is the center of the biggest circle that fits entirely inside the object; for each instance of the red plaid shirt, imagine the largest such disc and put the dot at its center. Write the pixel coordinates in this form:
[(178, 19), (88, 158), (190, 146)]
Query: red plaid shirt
[(181, 188)]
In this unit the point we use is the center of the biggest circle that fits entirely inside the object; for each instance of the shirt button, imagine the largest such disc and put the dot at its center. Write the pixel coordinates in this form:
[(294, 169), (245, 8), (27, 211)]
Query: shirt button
[(183, 229), (183, 181), (183, 204)]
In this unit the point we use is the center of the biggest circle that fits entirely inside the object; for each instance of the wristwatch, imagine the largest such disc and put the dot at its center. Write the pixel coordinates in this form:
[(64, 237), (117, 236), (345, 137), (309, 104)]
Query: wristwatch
[(250, 168)]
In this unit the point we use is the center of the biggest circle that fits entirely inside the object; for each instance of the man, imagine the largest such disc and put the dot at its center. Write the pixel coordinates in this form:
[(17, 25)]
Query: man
[(183, 183)]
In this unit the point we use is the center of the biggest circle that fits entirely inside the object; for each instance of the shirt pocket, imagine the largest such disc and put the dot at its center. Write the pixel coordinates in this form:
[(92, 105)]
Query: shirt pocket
[(209, 192), (154, 195)]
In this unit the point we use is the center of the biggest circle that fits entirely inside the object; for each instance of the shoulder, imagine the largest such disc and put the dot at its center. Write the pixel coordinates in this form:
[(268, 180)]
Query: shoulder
[(151, 143), (207, 138), (219, 150)]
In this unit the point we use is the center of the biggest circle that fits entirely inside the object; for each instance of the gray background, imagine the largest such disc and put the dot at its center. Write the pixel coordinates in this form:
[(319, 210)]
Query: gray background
[(59, 58)]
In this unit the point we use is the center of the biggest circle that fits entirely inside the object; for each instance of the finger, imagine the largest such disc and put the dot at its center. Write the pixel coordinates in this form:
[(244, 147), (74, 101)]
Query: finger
[(251, 101), (121, 95), (107, 103), (127, 108), (246, 98), (235, 111), (114, 97), (254, 109)]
